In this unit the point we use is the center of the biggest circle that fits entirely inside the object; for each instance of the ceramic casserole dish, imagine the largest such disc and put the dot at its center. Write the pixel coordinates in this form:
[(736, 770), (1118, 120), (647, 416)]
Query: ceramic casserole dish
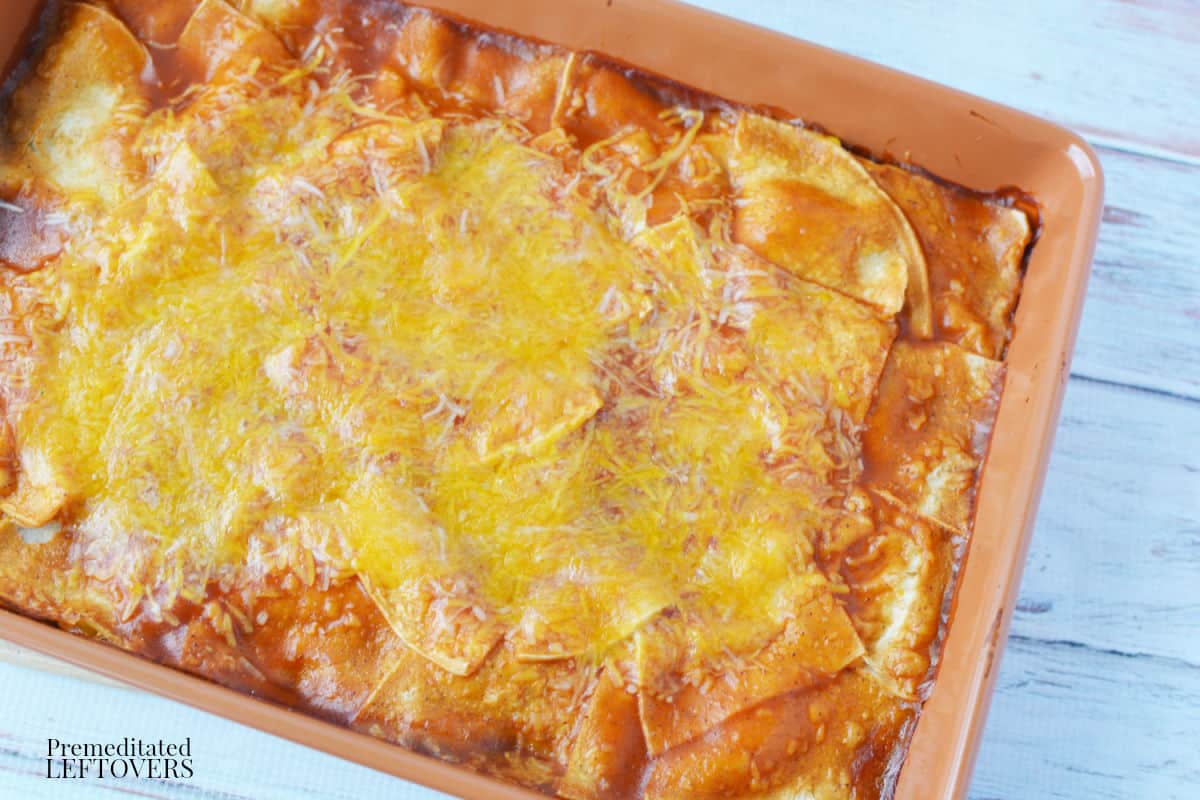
[(957, 137)]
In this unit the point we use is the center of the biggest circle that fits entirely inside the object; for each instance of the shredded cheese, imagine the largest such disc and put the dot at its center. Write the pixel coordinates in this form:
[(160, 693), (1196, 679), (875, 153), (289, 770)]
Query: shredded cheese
[(419, 351)]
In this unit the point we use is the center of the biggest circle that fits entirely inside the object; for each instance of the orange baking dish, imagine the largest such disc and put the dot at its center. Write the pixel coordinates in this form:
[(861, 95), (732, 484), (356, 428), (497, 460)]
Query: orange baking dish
[(957, 137)]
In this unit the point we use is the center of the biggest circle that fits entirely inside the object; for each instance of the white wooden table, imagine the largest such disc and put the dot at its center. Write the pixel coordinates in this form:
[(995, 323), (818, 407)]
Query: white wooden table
[(1099, 695)]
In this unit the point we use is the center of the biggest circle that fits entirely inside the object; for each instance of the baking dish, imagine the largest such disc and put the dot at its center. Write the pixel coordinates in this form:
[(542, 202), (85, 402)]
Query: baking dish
[(965, 140)]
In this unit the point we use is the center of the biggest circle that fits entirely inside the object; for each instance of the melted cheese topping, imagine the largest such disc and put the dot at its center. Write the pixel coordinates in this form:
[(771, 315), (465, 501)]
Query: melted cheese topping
[(402, 363)]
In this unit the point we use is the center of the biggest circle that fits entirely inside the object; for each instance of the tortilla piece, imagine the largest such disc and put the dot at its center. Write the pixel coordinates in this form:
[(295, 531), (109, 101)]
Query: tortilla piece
[(974, 248), (160, 22), (40, 493), (928, 430), (681, 283), (423, 48), (825, 347), (639, 147), (517, 78), (221, 42), (898, 568), (41, 578), (508, 707), (422, 584), (443, 622), (330, 646), (280, 14), (365, 157), (682, 286), (607, 755), (379, 530), (178, 201), (157, 21), (783, 749), (676, 707), (807, 205), (207, 645), (118, 588), (76, 118), (540, 636), (520, 81), (530, 412), (600, 101), (8, 453), (184, 189), (679, 257), (800, 332), (572, 614), (33, 504)]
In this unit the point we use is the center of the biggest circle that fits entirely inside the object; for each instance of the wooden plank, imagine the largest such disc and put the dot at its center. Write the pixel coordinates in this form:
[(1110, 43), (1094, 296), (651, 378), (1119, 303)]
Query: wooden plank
[(1141, 319), (1125, 72), (1115, 558), (1072, 723)]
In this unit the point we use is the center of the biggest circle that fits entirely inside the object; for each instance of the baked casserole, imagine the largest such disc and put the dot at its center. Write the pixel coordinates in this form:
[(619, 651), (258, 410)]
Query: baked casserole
[(495, 399)]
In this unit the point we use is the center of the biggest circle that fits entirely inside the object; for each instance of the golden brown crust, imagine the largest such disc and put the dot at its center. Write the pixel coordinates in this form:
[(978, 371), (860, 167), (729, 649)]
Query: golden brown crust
[(974, 248), (682, 696), (782, 747), (608, 752), (217, 39), (853, 238), (898, 568), (928, 430), (76, 115)]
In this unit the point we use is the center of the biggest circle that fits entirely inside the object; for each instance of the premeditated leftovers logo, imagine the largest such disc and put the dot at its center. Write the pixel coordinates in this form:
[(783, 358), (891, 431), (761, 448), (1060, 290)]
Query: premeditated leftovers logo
[(127, 759)]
